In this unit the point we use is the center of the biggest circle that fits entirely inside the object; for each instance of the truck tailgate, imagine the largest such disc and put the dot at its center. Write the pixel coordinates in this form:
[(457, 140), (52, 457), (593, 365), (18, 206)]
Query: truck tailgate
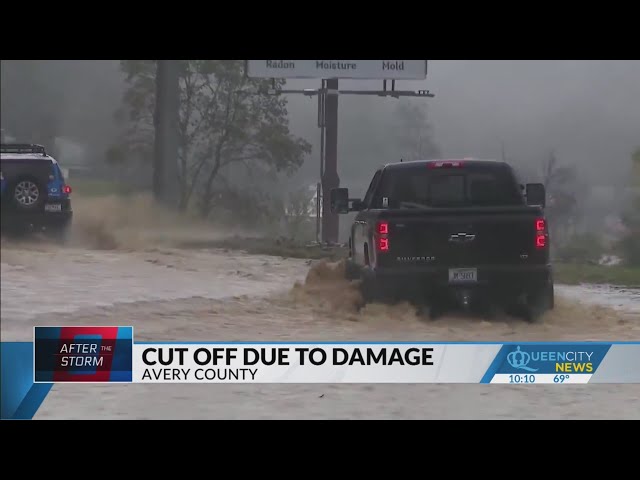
[(462, 237)]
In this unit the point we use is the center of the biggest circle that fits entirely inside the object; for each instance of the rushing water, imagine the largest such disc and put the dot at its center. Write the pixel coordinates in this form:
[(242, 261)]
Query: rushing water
[(41, 279), (168, 294), (620, 298)]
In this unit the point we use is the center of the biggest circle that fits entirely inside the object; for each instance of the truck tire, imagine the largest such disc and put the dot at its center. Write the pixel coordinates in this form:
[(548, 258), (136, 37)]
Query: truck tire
[(375, 290), (371, 289), (351, 270), (26, 194), (538, 302)]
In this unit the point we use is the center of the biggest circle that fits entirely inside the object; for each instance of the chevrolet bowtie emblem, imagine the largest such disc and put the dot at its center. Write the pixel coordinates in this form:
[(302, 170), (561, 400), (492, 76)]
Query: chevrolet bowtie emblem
[(461, 237)]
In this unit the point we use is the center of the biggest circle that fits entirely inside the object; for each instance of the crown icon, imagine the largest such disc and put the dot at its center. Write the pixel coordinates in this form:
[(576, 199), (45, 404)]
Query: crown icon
[(518, 359)]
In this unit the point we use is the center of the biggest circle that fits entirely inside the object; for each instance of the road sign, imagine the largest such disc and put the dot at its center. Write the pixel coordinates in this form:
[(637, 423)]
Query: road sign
[(334, 69)]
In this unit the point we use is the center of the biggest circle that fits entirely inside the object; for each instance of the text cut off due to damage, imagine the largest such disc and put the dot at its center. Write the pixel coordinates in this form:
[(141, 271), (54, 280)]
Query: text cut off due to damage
[(249, 356)]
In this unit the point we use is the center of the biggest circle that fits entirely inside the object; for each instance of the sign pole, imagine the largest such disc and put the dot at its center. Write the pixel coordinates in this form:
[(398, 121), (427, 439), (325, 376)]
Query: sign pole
[(330, 178), (321, 125), (166, 118), (159, 119)]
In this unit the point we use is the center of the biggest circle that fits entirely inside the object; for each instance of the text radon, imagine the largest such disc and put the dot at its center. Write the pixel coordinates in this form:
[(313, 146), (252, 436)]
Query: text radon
[(281, 64)]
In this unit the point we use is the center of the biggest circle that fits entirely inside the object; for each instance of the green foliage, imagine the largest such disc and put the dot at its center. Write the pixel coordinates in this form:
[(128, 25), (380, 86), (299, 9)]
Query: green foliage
[(252, 209), (300, 221), (635, 165), (222, 121), (585, 248), (576, 273), (629, 246), (276, 246)]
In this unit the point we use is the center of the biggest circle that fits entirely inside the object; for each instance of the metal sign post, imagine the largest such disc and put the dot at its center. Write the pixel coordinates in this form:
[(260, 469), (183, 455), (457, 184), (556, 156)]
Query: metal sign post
[(329, 71), (321, 125), (166, 120)]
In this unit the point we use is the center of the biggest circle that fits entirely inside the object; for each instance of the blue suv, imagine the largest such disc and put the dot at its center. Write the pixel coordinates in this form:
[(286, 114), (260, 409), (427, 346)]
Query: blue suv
[(33, 191)]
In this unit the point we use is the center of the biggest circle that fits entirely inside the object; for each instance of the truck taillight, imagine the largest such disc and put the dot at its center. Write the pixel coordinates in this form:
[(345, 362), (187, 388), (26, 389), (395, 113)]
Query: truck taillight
[(66, 189), (541, 233), (382, 237)]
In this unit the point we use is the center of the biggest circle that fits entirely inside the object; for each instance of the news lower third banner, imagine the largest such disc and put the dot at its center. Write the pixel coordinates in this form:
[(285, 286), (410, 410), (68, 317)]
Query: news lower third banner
[(110, 355)]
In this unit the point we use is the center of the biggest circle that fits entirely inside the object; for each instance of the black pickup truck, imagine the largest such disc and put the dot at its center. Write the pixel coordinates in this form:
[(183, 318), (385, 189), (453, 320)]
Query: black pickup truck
[(460, 233)]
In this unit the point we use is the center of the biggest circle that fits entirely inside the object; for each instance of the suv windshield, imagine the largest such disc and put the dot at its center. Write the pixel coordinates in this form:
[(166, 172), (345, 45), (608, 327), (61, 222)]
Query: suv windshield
[(468, 186)]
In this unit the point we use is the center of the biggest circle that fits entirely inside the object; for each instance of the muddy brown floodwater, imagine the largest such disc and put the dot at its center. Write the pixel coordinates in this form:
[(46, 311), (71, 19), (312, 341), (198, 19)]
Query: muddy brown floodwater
[(110, 274)]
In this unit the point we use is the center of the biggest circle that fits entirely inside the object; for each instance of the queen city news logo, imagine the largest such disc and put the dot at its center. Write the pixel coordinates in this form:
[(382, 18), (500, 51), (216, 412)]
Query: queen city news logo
[(83, 354), (555, 358)]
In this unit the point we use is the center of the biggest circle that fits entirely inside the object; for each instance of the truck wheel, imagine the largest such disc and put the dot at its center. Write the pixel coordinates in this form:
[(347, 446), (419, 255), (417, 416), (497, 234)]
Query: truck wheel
[(433, 311), (351, 270), (538, 302), (26, 194), (372, 290)]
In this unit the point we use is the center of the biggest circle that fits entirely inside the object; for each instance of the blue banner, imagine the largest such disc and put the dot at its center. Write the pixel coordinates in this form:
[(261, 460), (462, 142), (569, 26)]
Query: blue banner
[(21, 397), (548, 358), (109, 354)]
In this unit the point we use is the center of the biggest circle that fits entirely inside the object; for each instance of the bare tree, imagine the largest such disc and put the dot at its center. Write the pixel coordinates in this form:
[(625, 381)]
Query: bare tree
[(630, 243), (414, 134), (560, 182)]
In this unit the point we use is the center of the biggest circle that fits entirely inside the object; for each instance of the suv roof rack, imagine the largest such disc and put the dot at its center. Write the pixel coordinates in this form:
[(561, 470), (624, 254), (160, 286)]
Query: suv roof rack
[(22, 148)]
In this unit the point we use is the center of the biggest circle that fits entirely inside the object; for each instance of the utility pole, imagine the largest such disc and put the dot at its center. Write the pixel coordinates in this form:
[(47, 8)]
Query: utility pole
[(328, 122), (158, 123), (330, 178), (165, 171)]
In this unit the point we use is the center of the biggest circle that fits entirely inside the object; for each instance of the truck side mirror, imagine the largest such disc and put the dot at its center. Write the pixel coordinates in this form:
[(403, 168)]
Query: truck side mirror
[(356, 205), (339, 199), (536, 194)]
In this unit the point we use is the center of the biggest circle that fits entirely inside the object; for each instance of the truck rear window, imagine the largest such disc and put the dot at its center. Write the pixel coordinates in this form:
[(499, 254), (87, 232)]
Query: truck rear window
[(407, 188)]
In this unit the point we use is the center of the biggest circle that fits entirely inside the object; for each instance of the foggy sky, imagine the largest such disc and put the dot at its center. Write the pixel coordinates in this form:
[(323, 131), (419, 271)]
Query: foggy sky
[(587, 111)]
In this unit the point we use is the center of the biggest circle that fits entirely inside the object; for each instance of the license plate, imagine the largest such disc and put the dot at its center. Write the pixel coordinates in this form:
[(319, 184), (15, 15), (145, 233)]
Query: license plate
[(53, 207), (463, 275)]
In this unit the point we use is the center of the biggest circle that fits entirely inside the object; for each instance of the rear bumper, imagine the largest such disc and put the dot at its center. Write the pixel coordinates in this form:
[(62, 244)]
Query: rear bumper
[(507, 279)]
